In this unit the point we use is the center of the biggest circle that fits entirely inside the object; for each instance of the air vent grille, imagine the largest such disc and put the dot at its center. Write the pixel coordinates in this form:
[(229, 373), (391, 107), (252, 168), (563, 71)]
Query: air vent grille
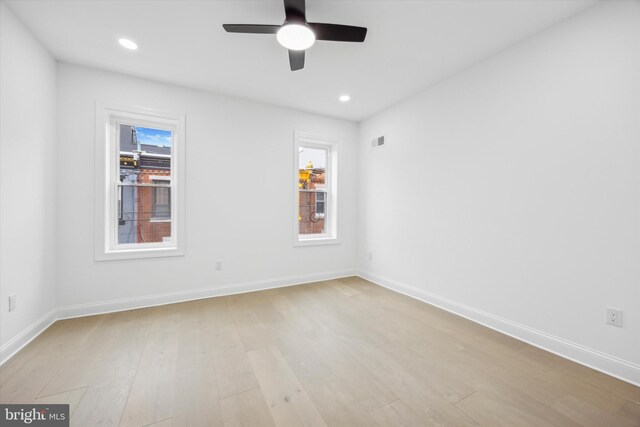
[(377, 142)]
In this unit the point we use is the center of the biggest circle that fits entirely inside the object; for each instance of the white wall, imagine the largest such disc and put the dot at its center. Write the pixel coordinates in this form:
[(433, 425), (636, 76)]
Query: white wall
[(239, 197), (511, 191), (27, 182)]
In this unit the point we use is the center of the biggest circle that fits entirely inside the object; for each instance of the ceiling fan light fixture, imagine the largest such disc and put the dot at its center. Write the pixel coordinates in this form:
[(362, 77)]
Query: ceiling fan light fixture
[(296, 36)]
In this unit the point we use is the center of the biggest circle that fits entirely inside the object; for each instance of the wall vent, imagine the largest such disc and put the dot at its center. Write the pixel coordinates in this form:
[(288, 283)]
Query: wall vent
[(377, 142)]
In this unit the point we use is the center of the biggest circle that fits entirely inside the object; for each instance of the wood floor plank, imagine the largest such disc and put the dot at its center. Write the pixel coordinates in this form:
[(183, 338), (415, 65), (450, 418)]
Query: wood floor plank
[(27, 383), (196, 395), (328, 308), (74, 334), (541, 382), (361, 384), (102, 404), (583, 373), (493, 408), (13, 365), (334, 402), (587, 415), (630, 411), (247, 409), (233, 370), (449, 383), (363, 286), (106, 397), (72, 398), (24, 382), (253, 333), (418, 393), (297, 319), (80, 363), (287, 400), (329, 345), (336, 405), (397, 414), (151, 395), (344, 288)]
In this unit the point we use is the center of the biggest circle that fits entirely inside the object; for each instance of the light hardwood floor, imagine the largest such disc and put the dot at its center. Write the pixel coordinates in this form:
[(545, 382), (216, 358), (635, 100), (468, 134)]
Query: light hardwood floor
[(336, 353)]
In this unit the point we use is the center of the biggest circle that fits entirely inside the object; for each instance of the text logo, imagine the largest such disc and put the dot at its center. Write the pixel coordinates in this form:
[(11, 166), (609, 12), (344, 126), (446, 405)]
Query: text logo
[(34, 415)]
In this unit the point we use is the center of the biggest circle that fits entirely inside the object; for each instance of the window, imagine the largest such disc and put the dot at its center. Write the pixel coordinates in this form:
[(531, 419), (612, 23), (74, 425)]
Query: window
[(315, 186), (162, 200), (321, 198), (139, 170)]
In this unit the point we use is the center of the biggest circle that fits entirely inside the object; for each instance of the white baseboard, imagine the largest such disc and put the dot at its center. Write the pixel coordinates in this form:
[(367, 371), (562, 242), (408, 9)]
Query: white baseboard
[(103, 307), (15, 344), (610, 365)]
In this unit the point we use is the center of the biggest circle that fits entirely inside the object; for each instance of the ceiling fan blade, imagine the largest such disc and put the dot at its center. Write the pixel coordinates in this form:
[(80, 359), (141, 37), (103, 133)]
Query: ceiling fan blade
[(251, 29), (338, 33), (296, 59), (295, 10)]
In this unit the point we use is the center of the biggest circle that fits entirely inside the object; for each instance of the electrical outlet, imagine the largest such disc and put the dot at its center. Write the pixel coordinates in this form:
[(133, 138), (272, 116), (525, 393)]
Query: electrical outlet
[(218, 265), (12, 302), (614, 317)]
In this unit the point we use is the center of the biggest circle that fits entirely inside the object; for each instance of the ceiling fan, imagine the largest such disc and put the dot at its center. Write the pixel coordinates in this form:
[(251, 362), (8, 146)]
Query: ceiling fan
[(296, 34)]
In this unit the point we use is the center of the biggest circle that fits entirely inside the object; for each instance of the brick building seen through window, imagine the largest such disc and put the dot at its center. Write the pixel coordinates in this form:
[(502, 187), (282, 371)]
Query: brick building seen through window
[(145, 177), (312, 193)]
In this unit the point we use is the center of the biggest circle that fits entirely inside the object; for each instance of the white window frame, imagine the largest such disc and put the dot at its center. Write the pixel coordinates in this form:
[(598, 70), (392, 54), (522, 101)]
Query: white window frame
[(330, 236), (106, 165)]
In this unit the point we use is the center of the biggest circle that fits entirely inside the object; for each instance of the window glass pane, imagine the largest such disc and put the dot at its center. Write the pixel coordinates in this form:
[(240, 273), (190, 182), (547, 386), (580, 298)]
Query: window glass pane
[(320, 202), (161, 208), (312, 190), (144, 197)]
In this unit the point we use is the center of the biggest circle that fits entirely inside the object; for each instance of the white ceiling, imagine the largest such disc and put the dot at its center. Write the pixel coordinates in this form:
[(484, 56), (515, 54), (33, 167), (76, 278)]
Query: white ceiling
[(410, 44)]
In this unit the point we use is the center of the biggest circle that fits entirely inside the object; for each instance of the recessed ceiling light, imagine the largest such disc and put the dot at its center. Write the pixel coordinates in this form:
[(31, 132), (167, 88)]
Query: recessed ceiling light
[(128, 44), (296, 36), (344, 98)]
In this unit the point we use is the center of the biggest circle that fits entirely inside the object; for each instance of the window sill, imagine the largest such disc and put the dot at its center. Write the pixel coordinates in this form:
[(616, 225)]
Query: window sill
[(159, 220), (124, 254), (317, 241)]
